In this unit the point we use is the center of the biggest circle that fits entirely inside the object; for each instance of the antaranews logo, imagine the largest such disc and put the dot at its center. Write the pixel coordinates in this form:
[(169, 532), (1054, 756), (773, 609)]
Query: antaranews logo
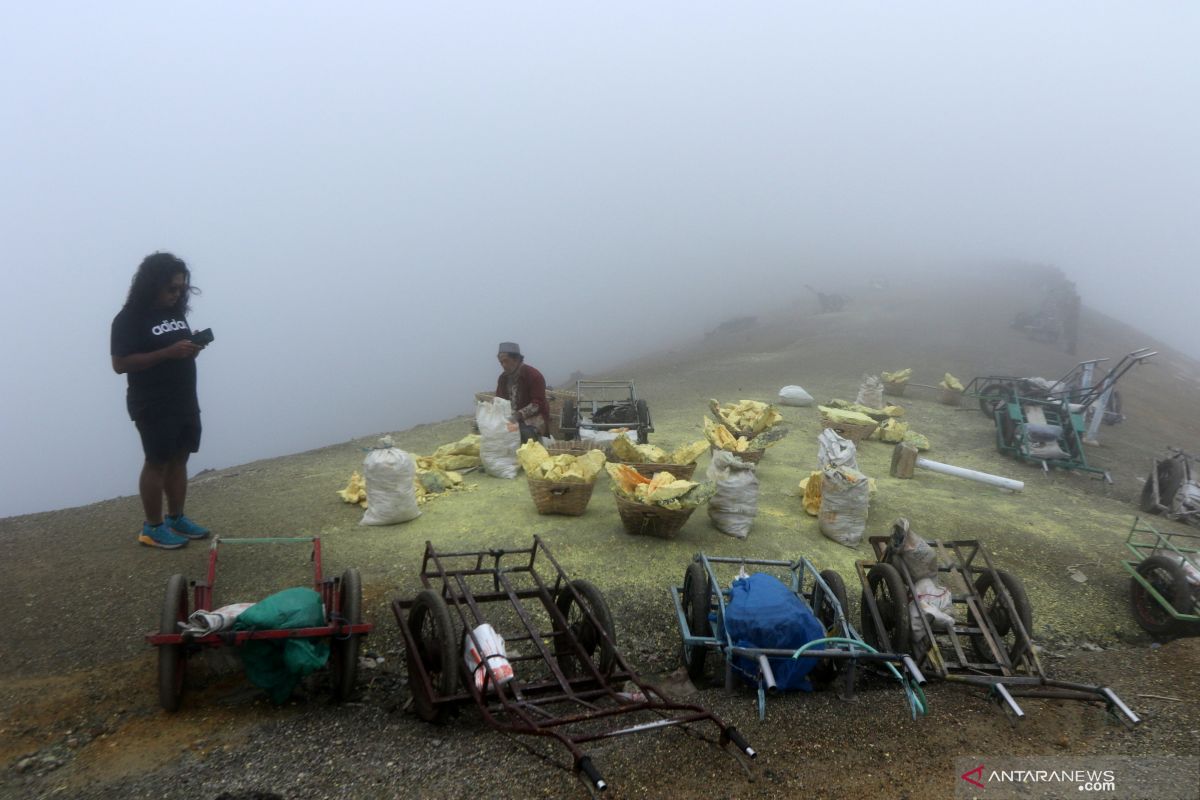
[(1085, 780), (168, 325)]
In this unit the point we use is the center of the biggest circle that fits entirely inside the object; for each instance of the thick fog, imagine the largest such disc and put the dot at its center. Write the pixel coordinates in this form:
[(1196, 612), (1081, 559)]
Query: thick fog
[(372, 195)]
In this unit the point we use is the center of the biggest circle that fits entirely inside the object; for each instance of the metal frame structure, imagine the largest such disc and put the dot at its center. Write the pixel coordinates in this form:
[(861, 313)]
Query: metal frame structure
[(1006, 671), (845, 648), (336, 594), (1178, 548), (565, 678), (594, 397)]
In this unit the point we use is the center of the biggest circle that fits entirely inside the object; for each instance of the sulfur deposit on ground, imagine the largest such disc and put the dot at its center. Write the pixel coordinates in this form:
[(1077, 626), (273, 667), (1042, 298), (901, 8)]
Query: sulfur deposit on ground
[(79, 715)]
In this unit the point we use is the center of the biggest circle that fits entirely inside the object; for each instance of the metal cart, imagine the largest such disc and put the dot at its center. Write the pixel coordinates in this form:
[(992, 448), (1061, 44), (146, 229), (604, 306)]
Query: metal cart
[(606, 406), (1164, 579), (561, 646), (700, 607), (1173, 487), (341, 597), (989, 643)]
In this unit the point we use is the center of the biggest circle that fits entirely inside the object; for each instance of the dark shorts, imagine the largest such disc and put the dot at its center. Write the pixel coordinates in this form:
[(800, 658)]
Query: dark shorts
[(166, 437)]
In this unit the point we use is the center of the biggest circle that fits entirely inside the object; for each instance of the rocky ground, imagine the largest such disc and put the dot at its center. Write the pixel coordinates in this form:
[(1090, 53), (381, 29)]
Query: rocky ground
[(78, 699)]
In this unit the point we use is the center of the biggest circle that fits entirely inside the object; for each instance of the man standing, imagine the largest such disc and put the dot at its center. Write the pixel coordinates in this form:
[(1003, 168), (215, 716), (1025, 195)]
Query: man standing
[(152, 344), (525, 388)]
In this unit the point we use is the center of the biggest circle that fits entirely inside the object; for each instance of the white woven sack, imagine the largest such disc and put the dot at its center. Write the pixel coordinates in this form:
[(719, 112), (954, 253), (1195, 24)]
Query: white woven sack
[(499, 438), (391, 495), (794, 396), (733, 508)]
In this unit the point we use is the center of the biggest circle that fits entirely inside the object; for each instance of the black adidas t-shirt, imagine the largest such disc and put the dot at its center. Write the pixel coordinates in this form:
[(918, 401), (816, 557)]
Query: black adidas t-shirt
[(169, 387)]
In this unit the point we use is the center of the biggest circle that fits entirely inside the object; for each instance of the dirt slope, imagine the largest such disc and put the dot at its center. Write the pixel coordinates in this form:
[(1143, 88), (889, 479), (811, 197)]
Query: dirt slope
[(78, 713)]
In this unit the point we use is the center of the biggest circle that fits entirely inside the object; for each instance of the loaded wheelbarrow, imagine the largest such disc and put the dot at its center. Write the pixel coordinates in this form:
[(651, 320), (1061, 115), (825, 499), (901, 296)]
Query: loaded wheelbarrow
[(986, 640), (832, 646), (341, 599), (603, 406), (557, 673), (1164, 579)]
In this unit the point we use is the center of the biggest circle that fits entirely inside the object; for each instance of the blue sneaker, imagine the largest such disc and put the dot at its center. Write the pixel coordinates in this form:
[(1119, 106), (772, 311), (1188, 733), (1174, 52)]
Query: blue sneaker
[(185, 527), (160, 536)]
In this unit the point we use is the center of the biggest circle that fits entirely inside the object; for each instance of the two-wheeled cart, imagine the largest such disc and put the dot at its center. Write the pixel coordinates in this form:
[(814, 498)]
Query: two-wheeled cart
[(1173, 487), (701, 605), (1074, 398), (569, 682), (1164, 579), (988, 645), (341, 598), (603, 406)]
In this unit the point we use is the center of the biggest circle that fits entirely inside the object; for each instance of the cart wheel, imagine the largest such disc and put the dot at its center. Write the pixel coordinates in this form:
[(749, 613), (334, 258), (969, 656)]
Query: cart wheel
[(996, 611), (1170, 581), (570, 420), (822, 606), (1148, 502), (886, 586), (643, 420), (695, 599), (1170, 480), (431, 629), (172, 659), (991, 397), (343, 655), (581, 628)]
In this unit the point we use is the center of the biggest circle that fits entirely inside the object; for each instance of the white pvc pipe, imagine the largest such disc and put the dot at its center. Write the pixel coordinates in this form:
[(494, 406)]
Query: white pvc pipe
[(971, 475)]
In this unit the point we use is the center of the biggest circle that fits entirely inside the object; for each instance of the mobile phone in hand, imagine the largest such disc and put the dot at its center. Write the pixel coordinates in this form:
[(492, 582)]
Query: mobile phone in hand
[(202, 337)]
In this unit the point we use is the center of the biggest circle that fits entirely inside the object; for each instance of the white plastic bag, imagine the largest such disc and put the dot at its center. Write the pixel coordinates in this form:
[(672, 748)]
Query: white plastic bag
[(494, 655), (202, 623), (733, 508), (918, 554), (835, 451), (794, 396), (934, 601), (498, 438), (391, 496), (844, 502)]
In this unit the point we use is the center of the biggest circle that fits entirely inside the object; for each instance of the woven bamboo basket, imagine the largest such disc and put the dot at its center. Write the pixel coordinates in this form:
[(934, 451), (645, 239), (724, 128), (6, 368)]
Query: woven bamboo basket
[(748, 456), (645, 520), (850, 430), (951, 397), (894, 389), (682, 472), (560, 497), (578, 448)]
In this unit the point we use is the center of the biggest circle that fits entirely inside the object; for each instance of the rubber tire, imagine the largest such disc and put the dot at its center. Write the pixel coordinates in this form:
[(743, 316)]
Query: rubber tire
[(999, 614), (1146, 503), (1146, 610), (987, 404), (894, 610), (643, 420), (583, 630), (695, 598), (1170, 480), (172, 659), (569, 424), (343, 653), (436, 653), (827, 668)]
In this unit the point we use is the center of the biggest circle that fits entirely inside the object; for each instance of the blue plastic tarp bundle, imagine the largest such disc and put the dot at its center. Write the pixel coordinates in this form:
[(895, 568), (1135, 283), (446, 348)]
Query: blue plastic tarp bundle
[(764, 613)]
